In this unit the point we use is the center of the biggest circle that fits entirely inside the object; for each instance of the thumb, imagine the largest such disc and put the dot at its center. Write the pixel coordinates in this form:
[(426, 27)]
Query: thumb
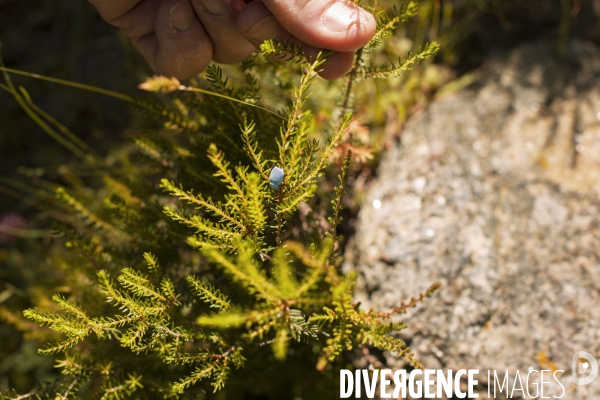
[(338, 25)]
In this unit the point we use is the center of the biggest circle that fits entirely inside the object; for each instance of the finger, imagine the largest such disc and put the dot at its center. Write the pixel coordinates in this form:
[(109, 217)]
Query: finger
[(336, 65), (258, 24), (338, 25), (219, 20), (111, 9), (138, 21), (179, 46)]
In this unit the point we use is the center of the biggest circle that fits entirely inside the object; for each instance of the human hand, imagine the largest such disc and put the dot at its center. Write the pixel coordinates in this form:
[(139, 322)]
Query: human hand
[(181, 37)]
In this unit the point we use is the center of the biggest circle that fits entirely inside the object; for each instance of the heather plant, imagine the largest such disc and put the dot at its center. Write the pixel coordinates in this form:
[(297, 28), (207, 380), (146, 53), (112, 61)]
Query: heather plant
[(184, 279)]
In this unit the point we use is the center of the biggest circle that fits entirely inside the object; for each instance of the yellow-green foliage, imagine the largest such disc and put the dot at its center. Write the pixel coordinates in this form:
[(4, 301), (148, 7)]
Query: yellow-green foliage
[(190, 270), (388, 21)]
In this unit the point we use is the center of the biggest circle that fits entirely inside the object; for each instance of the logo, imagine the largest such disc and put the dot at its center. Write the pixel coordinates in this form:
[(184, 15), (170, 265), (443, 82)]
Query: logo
[(584, 364)]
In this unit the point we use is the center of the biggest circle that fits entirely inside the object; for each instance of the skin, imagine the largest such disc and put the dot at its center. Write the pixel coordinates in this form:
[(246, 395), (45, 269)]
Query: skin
[(181, 37)]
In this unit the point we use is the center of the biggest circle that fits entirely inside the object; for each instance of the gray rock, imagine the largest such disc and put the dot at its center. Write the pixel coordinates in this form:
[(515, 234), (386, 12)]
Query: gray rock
[(494, 192)]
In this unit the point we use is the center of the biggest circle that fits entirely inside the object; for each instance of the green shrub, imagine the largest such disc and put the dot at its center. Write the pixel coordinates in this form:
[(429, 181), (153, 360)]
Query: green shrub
[(184, 278)]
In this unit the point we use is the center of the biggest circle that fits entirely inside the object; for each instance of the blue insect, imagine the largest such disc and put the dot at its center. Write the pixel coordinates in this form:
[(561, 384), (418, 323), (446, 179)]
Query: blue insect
[(276, 177)]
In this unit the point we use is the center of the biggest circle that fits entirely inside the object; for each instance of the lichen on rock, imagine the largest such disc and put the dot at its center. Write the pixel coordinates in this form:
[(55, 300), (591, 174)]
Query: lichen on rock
[(494, 192)]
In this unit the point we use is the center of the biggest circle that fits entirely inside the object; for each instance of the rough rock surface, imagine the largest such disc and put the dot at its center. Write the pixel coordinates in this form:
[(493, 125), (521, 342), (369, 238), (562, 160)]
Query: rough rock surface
[(494, 192)]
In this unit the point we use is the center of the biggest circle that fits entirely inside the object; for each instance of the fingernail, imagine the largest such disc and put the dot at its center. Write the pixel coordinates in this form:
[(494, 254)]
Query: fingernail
[(182, 16), (217, 7), (266, 28), (341, 15)]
